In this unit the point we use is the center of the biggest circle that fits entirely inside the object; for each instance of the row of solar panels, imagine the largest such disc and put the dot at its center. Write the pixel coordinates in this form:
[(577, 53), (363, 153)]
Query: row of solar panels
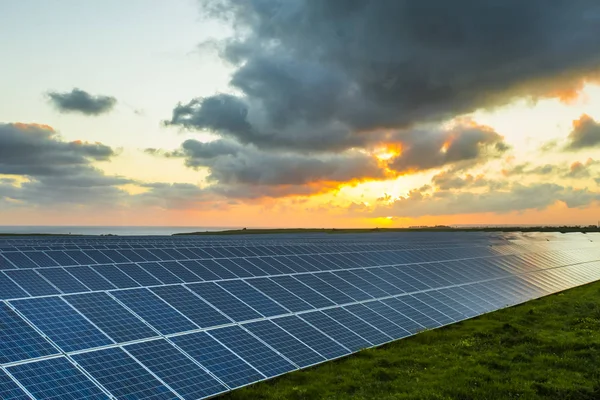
[(44, 259), (21, 283), (178, 308), (289, 248), (154, 364)]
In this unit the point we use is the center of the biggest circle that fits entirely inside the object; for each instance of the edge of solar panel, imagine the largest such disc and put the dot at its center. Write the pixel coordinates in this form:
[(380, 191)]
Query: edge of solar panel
[(547, 283)]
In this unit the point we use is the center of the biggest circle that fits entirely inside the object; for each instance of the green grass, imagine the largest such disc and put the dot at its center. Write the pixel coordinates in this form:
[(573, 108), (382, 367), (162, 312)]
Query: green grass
[(544, 349)]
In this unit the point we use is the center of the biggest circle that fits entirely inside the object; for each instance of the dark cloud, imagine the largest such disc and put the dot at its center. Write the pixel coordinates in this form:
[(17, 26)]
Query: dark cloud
[(447, 180), (332, 75), (575, 170), (80, 101), (231, 163), (37, 150), (585, 134), (467, 144), (516, 197)]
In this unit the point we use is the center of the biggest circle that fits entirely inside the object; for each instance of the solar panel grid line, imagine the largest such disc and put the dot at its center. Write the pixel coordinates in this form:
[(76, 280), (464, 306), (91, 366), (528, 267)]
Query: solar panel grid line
[(12, 389), (12, 282), (165, 379), (47, 335), (35, 282), (114, 382)]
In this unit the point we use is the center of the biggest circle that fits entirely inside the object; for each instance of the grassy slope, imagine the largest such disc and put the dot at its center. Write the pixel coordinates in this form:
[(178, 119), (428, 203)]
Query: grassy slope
[(544, 349)]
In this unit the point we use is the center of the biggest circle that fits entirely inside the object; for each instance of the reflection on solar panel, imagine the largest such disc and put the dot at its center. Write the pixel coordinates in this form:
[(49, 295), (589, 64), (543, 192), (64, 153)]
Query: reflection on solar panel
[(192, 317)]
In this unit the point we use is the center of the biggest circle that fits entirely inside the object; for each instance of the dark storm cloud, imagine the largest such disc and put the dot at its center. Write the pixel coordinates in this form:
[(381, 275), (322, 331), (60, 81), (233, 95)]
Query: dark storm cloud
[(231, 163), (330, 75), (466, 144), (585, 134), (37, 150), (80, 101)]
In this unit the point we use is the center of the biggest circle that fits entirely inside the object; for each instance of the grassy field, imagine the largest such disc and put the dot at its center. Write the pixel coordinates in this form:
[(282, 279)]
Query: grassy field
[(544, 349)]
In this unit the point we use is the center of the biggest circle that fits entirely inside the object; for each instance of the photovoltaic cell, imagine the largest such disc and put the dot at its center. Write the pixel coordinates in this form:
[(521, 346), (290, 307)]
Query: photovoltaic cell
[(160, 272), (20, 260), (64, 281), (284, 343), (310, 336), (357, 325), (114, 320), (261, 357), (19, 341), (280, 294), (33, 283), (41, 259), (9, 289), (304, 292), (253, 298), (175, 369), (61, 323), (155, 311), (217, 359), (9, 390), (335, 330), (140, 276), (90, 278), (122, 375), (383, 324), (191, 306), (224, 301), (56, 379)]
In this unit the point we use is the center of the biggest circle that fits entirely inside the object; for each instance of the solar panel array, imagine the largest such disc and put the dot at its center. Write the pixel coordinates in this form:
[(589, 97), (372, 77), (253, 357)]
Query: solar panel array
[(193, 317)]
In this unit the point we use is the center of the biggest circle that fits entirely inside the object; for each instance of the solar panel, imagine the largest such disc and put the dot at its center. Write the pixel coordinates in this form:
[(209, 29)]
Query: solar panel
[(56, 379), (189, 317)]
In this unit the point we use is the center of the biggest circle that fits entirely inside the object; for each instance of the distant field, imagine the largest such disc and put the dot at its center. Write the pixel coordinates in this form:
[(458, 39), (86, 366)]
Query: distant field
[(543, 349), (563, 229)]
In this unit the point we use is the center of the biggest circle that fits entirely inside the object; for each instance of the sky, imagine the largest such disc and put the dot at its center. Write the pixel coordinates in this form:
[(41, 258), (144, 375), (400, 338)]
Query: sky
[(296, 113)]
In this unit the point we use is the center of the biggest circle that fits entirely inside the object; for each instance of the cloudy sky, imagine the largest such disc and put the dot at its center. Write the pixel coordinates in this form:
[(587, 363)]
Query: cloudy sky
[(304, 113)]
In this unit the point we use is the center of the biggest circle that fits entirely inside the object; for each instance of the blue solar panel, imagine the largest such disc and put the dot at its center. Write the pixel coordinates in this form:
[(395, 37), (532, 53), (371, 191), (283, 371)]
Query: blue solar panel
[(335, 330), (108, 315), (304, 292), (178, 371), (219, 360), (5, 264), (20, 260), (390, 285), (115, 276), (254, 352), (396, 317), (357, 325), (98, 257), (32, 282), (64, 281), (56, 379), (180, 271), (80, 257), (90, 278), (9, 289), (61, 258), (160, 272), (9, 390), (310, 336), (253, 298), (324, 288), (139, 275), (200, 270), (123, 376), (18, 340), (280, 295), (41, 259), (191, 306), (217, 269), (221, 299), (61, 323), (347, 288), (284, 343), (155, 311), (412, 313)]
